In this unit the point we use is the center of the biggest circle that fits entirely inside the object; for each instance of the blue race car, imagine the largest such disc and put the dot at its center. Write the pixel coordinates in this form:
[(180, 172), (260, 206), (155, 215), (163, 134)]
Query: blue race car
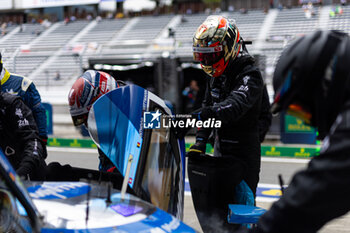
[(75, 207), (126, 125), (150, 158)]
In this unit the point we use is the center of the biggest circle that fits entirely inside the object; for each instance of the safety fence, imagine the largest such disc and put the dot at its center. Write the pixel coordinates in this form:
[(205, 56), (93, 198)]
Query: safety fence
[(266, 150)]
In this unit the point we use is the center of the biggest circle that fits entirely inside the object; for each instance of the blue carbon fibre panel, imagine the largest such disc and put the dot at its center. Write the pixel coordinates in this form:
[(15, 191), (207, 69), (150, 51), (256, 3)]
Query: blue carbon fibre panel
[(113, 142), (122, 116), (129, 99)]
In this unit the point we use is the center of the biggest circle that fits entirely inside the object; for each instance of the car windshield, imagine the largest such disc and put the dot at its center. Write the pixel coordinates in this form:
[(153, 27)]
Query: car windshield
[(161, 170)]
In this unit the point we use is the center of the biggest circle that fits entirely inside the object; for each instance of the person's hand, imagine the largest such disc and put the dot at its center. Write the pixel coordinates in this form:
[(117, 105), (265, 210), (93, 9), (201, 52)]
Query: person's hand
[(23, 172), (197, 148)]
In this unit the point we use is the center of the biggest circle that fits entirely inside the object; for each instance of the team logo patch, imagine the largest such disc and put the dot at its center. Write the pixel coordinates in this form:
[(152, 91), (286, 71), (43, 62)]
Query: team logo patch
[(18, 112), (22, 123), (246, 79)]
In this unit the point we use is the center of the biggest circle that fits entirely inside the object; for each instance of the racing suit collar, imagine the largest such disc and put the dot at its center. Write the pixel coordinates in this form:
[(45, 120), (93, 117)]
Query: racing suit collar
[(238, 64), (4, 76)]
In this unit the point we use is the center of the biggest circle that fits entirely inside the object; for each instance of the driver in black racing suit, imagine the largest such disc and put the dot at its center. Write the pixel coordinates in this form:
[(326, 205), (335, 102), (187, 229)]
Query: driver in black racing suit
[(235, 99), (234, 95)]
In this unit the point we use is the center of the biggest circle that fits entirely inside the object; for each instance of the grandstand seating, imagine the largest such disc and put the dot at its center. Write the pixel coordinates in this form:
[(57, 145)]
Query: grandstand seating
[(293, 21), (26, 64), (147, 28), (340, 22), (137, 36), (103, 31), (249, 23), (60, 36), (18, 37), (8, 29), (39, 52), (184, 32), (63, 57)]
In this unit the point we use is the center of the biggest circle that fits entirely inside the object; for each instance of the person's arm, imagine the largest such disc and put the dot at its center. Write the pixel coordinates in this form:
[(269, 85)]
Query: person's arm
[(317, 194), (243, 96), (25, 130), (204, 133), (33, 100)]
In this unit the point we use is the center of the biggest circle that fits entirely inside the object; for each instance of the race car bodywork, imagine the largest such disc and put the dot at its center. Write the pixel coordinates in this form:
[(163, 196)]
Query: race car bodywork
[(75, 207), (155, 173)]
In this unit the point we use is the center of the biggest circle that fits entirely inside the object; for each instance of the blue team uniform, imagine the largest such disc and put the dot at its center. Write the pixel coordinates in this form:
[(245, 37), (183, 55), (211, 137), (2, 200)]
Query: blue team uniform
[(25, 88)]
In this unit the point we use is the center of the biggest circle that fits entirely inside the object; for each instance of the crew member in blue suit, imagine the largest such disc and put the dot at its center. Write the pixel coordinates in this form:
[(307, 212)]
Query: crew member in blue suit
[(25, 88)]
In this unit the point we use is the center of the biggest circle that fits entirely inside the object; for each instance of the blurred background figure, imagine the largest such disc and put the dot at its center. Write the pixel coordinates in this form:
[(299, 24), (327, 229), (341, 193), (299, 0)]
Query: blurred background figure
[(57, 75), (190, 93)]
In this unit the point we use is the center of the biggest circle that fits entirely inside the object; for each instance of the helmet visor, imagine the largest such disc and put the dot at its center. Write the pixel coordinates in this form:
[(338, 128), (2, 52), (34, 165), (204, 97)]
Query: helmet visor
[(299, 112), (208, 55), (80, 119)]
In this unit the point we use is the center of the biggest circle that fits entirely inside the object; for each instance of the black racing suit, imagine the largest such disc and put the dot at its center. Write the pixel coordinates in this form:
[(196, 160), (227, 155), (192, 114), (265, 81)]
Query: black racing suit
[(236, 98), (319, 193), (19, 138)]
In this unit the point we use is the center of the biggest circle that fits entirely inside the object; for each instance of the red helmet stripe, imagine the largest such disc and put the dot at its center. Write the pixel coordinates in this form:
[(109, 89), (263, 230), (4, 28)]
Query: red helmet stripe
[(215, 44), (222, 23)]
